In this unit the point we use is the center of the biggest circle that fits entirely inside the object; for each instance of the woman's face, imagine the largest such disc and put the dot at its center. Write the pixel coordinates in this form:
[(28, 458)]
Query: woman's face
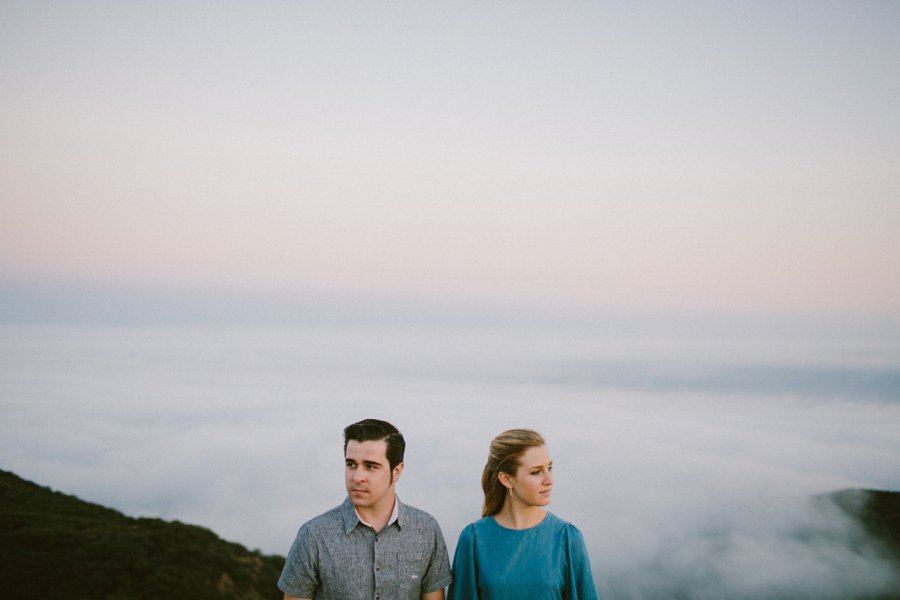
[(533, 481)]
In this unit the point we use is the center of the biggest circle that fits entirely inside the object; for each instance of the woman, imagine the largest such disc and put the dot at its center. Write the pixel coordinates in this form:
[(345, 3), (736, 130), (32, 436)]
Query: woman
[(517, 550)]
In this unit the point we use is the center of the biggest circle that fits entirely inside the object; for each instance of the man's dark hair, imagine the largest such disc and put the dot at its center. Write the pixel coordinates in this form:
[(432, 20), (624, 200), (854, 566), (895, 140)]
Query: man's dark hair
[(373, 430)]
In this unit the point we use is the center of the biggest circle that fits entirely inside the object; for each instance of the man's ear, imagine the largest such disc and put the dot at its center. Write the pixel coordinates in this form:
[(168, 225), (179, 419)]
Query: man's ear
[(395, 474), (505, 480)]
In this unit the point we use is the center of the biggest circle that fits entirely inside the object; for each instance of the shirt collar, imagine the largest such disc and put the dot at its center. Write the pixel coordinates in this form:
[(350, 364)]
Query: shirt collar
[(352, 518)]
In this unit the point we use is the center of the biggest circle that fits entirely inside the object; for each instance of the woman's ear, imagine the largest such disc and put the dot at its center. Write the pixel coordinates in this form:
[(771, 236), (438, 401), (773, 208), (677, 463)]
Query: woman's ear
[(505, 480)]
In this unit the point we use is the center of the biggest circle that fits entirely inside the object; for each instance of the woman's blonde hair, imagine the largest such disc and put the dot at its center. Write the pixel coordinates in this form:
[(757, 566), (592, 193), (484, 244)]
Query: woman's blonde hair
[(504, 457)]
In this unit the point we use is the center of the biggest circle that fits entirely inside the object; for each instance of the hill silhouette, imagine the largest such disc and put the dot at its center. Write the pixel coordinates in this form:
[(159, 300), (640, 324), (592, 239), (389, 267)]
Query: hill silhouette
[(53, 544), (878, 512)]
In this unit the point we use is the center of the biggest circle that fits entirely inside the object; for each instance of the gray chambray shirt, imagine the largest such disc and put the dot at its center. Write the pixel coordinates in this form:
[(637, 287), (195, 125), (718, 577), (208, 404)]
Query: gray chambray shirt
[(337, 557)]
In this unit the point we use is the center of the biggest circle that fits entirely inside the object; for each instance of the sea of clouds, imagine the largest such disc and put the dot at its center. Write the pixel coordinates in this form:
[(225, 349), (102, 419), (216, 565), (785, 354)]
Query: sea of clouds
[(695, 463)]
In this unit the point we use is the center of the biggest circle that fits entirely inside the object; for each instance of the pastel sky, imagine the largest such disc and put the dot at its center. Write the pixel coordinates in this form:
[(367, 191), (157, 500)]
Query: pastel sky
[(715, 156)]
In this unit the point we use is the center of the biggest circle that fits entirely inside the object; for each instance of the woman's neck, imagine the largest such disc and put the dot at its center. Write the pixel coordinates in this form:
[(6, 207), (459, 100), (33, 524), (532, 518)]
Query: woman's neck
[(513, 516)]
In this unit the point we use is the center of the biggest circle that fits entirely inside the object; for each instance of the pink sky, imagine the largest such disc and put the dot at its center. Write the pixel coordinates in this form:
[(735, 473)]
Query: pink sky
[(712, 157)]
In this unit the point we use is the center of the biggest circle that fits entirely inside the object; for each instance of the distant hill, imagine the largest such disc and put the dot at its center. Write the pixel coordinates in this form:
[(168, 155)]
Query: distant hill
[(878, 512), (52, 545)]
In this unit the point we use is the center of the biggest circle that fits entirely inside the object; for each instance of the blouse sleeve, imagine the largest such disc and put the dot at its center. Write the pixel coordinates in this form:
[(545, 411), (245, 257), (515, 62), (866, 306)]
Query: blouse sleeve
[(580, 580), (465, 578)]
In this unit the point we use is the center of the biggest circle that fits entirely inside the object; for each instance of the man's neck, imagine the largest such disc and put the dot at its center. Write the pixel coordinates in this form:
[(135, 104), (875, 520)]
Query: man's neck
[(377, 517)]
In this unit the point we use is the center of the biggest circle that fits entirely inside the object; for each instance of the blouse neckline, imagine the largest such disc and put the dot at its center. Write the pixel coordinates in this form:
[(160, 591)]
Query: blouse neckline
[(533, 527)]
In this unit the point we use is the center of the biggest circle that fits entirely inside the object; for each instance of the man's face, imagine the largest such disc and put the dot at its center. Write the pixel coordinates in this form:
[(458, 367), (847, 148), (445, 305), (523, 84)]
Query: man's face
[(368, 475)]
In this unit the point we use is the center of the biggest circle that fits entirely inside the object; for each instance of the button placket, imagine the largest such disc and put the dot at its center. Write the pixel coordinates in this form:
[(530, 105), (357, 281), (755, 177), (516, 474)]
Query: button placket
[(377, 566)]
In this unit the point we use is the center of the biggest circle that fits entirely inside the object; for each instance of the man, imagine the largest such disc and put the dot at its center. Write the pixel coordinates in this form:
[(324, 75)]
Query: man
[(372, 546)]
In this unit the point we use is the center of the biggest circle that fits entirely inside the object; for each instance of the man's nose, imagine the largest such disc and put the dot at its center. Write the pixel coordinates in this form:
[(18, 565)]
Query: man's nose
[(359, 474)]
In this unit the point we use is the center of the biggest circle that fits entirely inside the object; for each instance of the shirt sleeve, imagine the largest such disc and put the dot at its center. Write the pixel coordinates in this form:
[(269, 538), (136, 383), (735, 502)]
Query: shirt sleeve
[(300, 576), (465, 580), (579, 579), (438, 575)]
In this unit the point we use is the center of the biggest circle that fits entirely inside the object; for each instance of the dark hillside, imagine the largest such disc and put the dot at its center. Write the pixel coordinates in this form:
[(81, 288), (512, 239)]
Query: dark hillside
[(52, 544), (878, 512)]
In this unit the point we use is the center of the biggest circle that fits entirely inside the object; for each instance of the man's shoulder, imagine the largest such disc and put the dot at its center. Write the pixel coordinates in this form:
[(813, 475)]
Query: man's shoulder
[(410, 515), (329, 519), (418, 512)]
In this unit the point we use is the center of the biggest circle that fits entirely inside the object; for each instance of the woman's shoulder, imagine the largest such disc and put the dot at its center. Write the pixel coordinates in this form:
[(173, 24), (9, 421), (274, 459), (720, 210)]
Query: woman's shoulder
[(481, 524), (472, 530), (561, 525)]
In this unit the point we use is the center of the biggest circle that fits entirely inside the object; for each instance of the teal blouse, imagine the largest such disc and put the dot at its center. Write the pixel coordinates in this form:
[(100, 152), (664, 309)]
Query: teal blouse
[(546, 562)]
